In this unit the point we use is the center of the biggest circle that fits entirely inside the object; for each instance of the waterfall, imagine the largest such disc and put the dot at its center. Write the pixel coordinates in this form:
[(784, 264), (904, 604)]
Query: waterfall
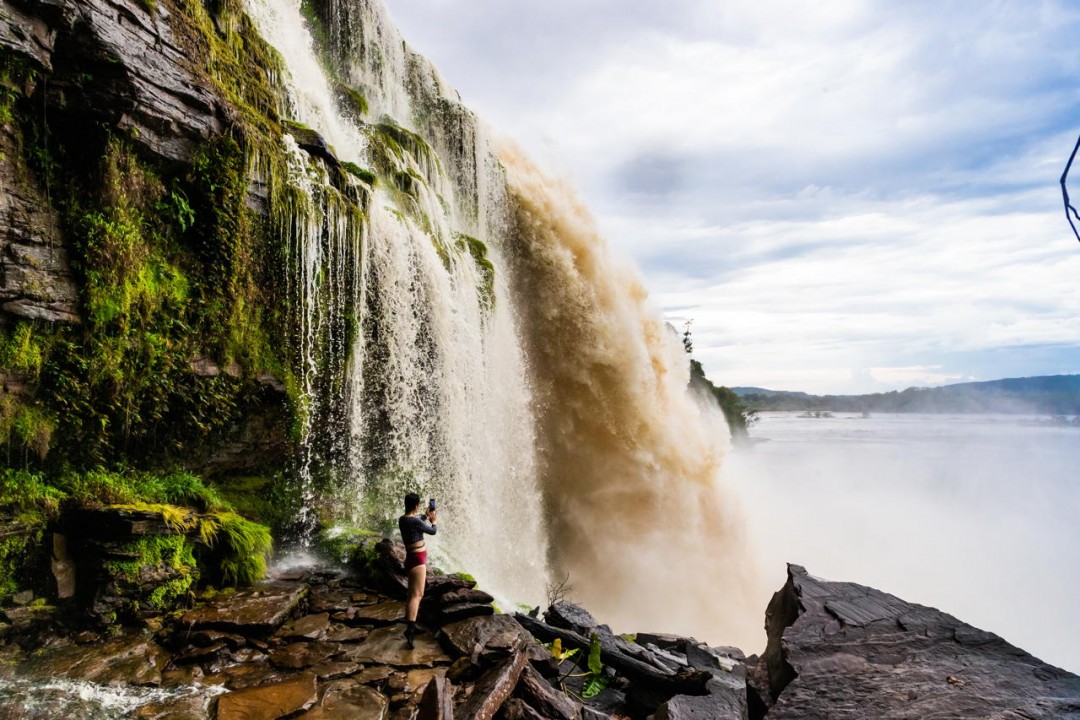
[(435, 393), (638, 511), (494, 355)]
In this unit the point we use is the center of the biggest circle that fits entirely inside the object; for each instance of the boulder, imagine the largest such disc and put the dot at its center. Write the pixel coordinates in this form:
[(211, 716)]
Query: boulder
[(719, 704), (842, 650), (268, 702), (483, 638), (440, 584), (311, 142)]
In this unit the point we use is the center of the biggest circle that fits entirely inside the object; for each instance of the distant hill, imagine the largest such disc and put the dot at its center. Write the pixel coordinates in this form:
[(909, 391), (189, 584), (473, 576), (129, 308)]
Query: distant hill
[(1045, 395)]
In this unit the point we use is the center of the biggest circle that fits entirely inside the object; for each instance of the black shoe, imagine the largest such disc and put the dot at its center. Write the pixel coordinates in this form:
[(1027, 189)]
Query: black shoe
[(410, 634)]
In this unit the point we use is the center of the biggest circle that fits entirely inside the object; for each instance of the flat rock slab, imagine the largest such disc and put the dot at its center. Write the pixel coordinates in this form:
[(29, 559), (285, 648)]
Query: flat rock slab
[(386, 646), (345, 634), (332, 600), (335, 670), (375, 675), (124, 661), (258, 611), (268, 702), (348, 700), (845, 651), (309, 627), (390, 611), (439, 584), (303, 654)]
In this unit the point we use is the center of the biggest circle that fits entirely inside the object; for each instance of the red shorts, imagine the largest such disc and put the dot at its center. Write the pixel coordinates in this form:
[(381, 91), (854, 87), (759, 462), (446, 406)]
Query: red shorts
[(415, 559)]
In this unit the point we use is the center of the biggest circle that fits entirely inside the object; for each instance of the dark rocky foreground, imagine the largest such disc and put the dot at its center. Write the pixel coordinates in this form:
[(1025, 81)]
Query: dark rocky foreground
[(841, 650), (328, 643)]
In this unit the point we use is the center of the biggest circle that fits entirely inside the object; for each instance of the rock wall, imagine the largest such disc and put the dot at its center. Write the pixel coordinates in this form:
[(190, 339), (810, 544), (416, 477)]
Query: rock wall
[(148, 88)]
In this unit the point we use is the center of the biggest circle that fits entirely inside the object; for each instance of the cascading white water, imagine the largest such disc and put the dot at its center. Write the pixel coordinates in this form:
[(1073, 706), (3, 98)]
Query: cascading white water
[(437, 393)]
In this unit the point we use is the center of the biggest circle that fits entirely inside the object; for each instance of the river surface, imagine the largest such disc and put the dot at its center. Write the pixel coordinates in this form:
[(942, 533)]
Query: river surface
[(978, 515)]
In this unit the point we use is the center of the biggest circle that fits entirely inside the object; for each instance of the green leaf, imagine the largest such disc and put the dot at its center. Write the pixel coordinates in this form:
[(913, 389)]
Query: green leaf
[(558, 652), (593, 685), (595, 666)]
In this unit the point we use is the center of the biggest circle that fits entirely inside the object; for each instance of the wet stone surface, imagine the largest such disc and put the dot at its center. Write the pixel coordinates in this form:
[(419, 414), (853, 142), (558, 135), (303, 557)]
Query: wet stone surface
[(266, 653)]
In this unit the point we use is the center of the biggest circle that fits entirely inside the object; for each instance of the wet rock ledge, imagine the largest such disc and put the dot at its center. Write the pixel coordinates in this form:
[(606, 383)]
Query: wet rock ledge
[(327, 642)]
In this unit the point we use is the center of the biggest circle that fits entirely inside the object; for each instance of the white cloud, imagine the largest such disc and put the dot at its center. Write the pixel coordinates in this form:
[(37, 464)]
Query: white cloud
[(821, 186)]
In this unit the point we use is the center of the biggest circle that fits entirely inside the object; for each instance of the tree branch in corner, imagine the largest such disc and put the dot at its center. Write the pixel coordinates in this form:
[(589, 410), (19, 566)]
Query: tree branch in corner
[(1070, 212)]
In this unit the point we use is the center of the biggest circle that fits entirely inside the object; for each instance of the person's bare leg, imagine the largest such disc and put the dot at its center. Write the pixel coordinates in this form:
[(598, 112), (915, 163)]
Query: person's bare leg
[(417, 581)]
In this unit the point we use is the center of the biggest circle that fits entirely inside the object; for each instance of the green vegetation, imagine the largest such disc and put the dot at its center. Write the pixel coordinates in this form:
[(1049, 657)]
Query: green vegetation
[(210, 535), (240, 546), (152, 553), (315, 23), (21, 352), (27, 503), (15, 75), (267, 500), (595, 681), (478, 251), (365, 175), (353, 101), (739, 417), (346, 545), (557, 651)]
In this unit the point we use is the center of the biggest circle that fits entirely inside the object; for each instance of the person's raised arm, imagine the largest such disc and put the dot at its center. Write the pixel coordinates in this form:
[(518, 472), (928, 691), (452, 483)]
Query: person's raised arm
[(428, 524)]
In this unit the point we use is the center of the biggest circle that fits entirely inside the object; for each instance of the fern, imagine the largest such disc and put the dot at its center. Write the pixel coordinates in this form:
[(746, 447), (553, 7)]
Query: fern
[(244, 546)]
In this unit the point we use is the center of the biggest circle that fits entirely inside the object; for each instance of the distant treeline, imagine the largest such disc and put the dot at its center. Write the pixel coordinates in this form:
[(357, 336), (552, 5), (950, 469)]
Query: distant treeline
[(1048, 395)]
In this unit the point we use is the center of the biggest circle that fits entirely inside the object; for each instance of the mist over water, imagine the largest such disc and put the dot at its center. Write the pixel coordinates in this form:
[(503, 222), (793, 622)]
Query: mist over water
[(975, 515)]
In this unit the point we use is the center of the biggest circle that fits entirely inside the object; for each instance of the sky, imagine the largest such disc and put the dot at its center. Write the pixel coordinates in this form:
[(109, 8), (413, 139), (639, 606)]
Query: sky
[(843, 196)]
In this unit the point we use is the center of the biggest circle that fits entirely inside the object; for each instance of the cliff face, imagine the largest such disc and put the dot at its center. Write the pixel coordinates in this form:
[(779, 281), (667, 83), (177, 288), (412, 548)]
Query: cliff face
[(138, 318)]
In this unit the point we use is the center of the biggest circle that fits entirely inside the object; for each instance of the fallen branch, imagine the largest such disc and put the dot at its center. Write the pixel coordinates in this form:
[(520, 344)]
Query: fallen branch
[(1070, 212)]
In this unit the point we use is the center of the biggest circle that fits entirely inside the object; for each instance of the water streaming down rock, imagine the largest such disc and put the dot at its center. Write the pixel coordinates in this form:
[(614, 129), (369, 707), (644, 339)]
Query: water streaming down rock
[(551, 382), (435, 391)]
